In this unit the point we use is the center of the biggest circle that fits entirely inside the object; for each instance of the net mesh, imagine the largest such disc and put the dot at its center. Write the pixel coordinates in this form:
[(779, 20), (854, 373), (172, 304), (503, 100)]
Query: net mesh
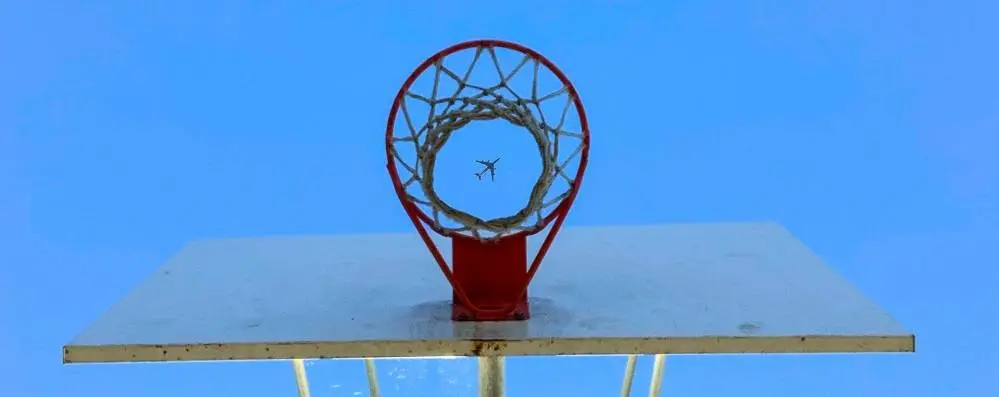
[(468, 102)]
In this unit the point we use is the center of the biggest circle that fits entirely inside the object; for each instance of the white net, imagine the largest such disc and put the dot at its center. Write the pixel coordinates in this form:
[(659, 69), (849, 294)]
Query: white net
[(454, 101)]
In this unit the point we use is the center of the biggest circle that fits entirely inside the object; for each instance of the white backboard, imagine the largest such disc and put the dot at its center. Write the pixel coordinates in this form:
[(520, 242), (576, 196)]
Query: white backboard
[(676, 289)]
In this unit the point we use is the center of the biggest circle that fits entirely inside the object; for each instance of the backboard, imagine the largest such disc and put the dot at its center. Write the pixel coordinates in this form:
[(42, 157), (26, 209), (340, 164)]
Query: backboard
[(662, 289)]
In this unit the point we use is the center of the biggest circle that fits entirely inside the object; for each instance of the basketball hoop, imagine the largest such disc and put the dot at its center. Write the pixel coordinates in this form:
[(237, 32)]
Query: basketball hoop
[(489, 274)]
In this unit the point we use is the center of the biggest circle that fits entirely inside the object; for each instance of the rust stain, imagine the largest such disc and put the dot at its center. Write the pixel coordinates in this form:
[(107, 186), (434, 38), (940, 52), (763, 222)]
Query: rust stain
[(488, 346)]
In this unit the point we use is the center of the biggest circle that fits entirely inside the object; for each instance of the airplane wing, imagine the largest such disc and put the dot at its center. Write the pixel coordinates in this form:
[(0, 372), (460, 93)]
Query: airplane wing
[(483, 162)]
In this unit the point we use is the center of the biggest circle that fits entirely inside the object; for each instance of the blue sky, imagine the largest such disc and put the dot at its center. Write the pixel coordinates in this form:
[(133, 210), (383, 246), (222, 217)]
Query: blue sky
[(869, 129)]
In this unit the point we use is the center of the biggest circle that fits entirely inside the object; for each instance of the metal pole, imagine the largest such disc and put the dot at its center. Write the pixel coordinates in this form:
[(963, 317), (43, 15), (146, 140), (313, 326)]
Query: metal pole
[(629, 375), (658, 367), (300, 378), (492, 378), (369, 367)]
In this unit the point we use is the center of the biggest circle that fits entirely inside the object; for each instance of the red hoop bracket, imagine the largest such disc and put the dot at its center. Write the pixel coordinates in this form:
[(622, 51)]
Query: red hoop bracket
[(489, 279)]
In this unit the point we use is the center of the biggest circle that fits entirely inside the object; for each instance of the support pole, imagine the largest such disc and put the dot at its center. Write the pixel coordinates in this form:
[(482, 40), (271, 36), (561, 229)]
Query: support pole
[(658, 367), (369, 367), (300, 378), (492, 376), (629, 375)]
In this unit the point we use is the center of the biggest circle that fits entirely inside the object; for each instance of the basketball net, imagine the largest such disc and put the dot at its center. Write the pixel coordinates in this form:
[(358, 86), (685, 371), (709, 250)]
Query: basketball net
[(489, 253)]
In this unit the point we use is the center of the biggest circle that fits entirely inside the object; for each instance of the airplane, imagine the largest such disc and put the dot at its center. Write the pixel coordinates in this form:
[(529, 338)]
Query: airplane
[(490, 166)]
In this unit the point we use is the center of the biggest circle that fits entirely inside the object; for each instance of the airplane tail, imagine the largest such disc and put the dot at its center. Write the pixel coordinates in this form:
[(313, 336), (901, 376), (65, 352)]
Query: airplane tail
[(479, 175)]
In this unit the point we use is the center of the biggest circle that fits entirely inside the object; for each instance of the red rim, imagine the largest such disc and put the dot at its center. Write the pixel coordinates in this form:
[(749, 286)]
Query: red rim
[(577, 102)]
